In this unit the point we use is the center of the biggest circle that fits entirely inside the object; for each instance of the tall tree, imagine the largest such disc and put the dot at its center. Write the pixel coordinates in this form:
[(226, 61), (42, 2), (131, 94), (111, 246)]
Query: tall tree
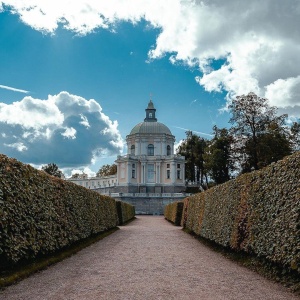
[(218, 155), (193, 149), (76, 175), (295, 135), (252, 118), (272, 145), (53, 170), (107, 170)]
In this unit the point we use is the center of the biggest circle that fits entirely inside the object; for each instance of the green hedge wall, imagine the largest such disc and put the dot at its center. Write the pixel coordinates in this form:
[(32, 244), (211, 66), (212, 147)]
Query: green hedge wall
[(125, 211), (173, 212), (40, 214), (258, 213)]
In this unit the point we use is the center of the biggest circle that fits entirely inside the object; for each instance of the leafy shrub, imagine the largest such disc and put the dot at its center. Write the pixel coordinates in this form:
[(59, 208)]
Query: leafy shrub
[(257, 213), (40, 214), (125, 212), (173, 212)]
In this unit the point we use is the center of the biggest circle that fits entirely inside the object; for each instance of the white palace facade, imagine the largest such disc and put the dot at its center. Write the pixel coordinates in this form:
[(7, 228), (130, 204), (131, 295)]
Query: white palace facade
[(149, 170), (150, 165)]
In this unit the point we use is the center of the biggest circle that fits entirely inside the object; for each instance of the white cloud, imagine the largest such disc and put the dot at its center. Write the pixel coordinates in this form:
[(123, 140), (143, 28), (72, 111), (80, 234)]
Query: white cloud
[(18, 146), (287, 89), (176, 145), (42, 113), (85, 170), (12, 88), (84, 121), (257, 41), (55, 130), (70, 133)]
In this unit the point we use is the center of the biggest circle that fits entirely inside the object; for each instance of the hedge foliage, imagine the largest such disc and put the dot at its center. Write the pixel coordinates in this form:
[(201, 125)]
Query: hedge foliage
[(40, 214), (173, 212), (125, 212), (258, 213)]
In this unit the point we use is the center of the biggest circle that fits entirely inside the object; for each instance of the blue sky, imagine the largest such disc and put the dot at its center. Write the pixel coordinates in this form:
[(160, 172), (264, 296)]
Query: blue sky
[(75, 79)]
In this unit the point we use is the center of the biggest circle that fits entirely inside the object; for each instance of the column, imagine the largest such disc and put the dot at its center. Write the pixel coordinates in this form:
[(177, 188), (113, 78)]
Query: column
[(158, 172), (128, 172), (173, 172), (143, 172)]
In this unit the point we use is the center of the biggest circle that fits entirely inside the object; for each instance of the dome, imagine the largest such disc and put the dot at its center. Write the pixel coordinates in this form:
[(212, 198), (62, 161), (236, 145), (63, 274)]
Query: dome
[(150, 124), (150, 127)]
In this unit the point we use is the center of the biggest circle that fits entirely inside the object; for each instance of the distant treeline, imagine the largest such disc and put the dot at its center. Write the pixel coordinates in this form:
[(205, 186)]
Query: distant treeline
[(257, 137)]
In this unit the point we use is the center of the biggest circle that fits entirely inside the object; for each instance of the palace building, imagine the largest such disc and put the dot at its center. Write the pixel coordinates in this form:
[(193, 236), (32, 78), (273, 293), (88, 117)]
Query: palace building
[(150, 175), (150, 165)]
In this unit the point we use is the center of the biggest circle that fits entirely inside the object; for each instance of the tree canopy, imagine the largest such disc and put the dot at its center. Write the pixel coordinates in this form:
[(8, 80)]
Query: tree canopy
[(76, 175), (107, 170), (53, 170), (218, 155), (193, 149), (260, 137), (257, 137), (295, 135)]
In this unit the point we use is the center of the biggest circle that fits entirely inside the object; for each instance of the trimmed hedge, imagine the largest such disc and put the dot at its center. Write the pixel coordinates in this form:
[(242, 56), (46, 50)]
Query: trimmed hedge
[(125, 212), (40, 214), (258, 213), (173, 212)]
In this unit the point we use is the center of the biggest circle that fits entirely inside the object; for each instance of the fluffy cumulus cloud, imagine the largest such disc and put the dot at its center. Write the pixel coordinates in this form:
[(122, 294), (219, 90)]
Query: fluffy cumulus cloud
[(65, 129), (257, 42), (85, 170)]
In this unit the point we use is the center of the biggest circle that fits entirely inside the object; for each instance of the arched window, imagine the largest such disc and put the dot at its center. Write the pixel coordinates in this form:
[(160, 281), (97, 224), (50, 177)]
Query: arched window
[(150, 150), (132, 150), (168, 150)]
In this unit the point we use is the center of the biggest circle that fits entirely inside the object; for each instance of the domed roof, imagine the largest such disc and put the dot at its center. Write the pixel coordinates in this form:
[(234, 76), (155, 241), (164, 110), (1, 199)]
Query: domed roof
[(150, 124), (151, 127)]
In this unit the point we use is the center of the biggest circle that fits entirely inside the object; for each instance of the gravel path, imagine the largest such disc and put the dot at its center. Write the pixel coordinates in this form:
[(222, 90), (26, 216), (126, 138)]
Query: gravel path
[(147, 259)]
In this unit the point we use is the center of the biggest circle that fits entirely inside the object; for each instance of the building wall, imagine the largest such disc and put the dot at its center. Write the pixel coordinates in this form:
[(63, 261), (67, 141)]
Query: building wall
[(141, 142), (95, 182), (150, 205), (151, 169), (142, 172)]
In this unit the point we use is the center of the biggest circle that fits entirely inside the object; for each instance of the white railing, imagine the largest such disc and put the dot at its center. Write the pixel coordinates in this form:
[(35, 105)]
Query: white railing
[(114, 194), (152, 195)]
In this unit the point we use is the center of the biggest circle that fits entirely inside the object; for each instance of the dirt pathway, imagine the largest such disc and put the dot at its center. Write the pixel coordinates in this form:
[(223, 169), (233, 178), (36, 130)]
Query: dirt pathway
[(147, 259)]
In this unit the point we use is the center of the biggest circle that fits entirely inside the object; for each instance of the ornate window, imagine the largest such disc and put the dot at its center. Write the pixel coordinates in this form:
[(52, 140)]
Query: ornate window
[(168, 150), (168, 174), (151, 173), (150, 150), (132, 150)]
